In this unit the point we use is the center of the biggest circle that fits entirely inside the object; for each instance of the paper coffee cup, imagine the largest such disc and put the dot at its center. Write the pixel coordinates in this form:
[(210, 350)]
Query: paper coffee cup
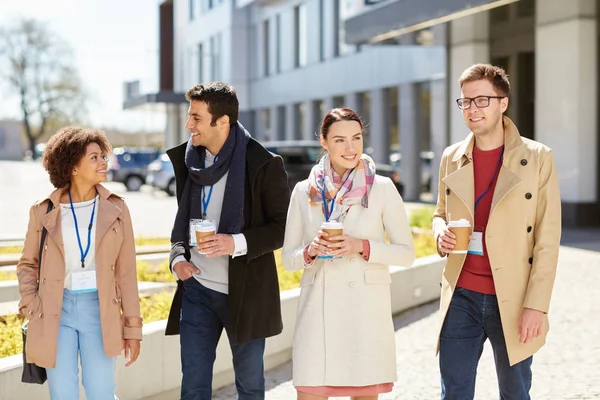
[(462, 230), (204, 229), (332, 228)]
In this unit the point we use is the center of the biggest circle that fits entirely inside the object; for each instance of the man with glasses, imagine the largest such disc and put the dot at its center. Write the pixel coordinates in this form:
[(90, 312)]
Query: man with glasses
[(506, 186)]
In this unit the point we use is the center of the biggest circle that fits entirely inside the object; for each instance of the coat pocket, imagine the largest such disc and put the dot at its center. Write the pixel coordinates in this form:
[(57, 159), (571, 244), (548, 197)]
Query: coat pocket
[(377, 276)]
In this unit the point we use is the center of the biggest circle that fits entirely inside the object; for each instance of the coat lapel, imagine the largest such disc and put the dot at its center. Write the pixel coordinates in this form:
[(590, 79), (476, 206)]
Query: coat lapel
[(460, 182), (107, 214), (507, 181), (52, 223)]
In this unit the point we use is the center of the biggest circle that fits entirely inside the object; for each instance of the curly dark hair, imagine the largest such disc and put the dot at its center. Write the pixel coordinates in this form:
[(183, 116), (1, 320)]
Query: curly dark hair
[(66, 148)]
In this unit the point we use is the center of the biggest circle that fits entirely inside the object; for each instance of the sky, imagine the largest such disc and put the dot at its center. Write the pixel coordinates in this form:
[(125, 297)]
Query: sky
[(113, 41)]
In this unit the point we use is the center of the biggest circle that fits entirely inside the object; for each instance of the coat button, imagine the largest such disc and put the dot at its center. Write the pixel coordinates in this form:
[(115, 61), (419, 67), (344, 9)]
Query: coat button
[(523, 162), (43, 281), (528, 196), (41, 315), (440, 284), (115, 301), (529, 229), (112, 267), (351, 284), (447, 192), (530, 260), (30, 312)]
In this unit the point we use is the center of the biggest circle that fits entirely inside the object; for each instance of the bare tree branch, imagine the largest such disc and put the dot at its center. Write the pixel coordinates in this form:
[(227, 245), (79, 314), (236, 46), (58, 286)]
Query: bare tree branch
[(38, 66)]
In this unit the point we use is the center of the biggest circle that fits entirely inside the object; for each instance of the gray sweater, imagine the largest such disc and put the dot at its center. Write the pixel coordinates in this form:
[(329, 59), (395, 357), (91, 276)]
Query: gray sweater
[(214, 272)]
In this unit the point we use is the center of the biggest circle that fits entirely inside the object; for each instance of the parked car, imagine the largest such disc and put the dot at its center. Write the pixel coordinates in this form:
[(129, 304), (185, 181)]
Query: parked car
[(299, 156), (426, 173), (161, 175), (130, 166)]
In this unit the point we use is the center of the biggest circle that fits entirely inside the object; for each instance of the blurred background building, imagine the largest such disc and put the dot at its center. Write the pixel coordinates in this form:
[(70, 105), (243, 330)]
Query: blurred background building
[(397, 63)]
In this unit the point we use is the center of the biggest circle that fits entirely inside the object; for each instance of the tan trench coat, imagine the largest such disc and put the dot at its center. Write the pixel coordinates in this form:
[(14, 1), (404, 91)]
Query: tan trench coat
[(344, 331), (523, 232), (115, 275)]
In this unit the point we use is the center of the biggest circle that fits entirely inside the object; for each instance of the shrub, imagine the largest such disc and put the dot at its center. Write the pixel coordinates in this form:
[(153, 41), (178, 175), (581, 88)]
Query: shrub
[(10, 335), (156, 307), (422, 218), (160, 273), (8, 276)]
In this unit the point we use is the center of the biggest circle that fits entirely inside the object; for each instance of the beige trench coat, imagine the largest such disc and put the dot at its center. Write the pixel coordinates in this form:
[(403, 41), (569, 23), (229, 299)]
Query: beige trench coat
[(344, 330), (522, 235), (115, 275)]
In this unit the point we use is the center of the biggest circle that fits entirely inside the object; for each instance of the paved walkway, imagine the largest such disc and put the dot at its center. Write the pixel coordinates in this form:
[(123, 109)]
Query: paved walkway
[(568, 367)]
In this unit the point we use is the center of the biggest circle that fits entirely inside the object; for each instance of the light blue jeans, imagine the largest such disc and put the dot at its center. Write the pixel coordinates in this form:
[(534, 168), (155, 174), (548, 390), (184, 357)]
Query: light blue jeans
[(80, 335)]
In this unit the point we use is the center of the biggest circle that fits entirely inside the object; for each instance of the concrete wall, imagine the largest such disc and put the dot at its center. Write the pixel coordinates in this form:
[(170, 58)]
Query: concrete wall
[(156, 375)]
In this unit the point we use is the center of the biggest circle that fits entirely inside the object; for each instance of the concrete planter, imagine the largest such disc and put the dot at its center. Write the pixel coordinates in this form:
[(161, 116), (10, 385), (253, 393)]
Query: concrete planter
[(156, 375)]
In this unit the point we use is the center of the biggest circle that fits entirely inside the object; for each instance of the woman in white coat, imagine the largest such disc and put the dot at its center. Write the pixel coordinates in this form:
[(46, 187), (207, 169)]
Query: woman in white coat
[(344, 340)]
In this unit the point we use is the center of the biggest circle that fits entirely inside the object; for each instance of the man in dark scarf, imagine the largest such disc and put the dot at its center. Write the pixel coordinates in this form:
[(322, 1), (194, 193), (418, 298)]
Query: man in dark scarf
[(227, 280)]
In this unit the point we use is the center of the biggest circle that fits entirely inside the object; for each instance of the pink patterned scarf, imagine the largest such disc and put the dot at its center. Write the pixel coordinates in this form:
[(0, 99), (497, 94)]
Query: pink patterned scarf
[(348, 190)]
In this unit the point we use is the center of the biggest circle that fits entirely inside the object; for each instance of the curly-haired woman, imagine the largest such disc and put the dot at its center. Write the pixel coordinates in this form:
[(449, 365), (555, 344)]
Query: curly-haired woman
[(87, 305)]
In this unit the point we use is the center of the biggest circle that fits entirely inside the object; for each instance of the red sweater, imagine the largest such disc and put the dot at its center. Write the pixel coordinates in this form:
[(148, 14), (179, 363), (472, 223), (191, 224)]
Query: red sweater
[(476, 274)]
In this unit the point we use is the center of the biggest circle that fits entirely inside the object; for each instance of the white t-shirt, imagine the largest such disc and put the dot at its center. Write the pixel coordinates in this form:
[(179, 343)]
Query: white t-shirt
[(83, 211)]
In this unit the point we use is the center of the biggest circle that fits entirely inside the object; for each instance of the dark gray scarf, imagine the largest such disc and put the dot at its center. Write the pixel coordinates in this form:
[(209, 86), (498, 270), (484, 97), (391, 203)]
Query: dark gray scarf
[(232, 158)]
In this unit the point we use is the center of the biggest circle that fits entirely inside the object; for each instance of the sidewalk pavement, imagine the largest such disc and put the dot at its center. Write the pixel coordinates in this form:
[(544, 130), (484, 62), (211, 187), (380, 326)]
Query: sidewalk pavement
[(566, 368)]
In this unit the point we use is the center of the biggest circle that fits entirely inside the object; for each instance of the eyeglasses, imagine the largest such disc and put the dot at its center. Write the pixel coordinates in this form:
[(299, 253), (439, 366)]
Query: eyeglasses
[(465, 103)]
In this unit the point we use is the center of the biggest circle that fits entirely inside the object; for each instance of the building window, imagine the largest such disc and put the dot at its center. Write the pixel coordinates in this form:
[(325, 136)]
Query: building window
[(500, 14), (526, 8), (300, 114), (200, 63), (211, 4), (321, 30), (191, 9), (266, 47), (318, 113), (364, 104), (215, 47), (278, 43), (300, 32), (338, 101), (265, 118), (392, 122), (342, 10), (281, 122)]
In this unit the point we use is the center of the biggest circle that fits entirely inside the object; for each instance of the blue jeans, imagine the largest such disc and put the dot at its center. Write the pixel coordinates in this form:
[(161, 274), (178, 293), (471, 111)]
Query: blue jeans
[(204, 314), (472, 318), (80, 336)]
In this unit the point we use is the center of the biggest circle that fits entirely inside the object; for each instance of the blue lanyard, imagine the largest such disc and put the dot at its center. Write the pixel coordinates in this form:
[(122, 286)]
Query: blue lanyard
[(492, 181), (87, 249), (328, 210), (205, 198)]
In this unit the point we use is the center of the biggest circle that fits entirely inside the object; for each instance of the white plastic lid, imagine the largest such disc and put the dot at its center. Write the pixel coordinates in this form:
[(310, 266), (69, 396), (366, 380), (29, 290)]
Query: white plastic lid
[(332, 225), (206, 226), (461, 223)]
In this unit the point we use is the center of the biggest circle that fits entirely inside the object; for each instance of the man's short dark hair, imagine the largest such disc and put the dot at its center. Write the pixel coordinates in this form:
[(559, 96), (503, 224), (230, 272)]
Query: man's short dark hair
[(220, 97)]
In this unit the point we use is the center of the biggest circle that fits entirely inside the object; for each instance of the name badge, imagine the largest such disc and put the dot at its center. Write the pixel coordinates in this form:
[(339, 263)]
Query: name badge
[(476, 244), (83, 281)]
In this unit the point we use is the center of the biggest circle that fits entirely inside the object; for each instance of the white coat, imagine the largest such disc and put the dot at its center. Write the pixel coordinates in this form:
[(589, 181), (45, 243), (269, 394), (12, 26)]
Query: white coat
[(344, 331)]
